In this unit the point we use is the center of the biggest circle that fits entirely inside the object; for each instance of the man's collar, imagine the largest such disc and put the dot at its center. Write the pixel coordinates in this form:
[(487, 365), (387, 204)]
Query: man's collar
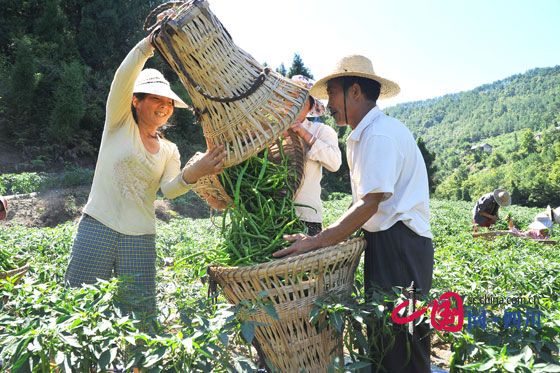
[(369, 118)]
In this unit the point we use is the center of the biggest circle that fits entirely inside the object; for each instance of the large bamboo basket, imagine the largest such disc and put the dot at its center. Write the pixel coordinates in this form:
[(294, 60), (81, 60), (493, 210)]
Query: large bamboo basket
[(292, 343), (239, 103), (210, 187)]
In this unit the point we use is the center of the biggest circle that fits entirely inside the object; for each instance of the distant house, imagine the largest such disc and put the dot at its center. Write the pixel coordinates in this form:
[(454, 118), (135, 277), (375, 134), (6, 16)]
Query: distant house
[(487, 148), (538, 136)]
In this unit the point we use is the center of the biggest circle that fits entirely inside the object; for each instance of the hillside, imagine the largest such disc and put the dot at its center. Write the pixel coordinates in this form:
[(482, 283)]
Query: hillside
[(518, 116), (530, 100)]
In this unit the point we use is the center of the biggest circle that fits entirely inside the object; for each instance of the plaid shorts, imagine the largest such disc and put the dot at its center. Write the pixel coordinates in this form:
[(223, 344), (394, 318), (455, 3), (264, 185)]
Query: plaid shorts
[(101, 252)]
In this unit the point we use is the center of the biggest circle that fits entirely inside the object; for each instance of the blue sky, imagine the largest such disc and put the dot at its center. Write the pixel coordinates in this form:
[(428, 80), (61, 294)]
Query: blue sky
[(430, 48)]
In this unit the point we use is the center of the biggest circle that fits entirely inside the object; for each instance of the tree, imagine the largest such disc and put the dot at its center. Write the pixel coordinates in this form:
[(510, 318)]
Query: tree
[(281, 69), (298, 68), (69, 104), (429, 159), (528, 144), (20, 95)]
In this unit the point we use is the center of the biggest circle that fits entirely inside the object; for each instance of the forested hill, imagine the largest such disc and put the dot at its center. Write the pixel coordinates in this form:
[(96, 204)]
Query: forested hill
[(529, 100), (519, 119)]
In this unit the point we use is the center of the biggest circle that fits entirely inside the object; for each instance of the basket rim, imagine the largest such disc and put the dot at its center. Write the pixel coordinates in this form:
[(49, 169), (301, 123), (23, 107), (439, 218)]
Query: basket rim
[(287, 263)]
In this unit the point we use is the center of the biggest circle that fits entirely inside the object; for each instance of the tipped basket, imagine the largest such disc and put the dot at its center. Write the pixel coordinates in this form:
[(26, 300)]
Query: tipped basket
[(239, 103), (292, 343), (293, 147)]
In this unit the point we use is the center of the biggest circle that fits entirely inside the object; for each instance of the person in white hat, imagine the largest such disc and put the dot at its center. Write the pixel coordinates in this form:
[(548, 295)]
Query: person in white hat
[(322, 151), (390, 197), (485, 211), (116, 234), (538, 229)]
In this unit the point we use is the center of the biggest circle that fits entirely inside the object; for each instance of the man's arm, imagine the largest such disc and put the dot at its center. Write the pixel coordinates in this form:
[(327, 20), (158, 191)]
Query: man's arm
[(487, 215), (354, 218)]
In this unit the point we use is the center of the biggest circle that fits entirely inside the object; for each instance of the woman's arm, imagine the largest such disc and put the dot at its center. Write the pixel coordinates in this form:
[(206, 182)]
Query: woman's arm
[(172, 183), (120, 95)]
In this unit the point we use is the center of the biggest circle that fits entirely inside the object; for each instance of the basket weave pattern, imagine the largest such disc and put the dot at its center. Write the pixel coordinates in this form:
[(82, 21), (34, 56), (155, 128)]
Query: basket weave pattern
[(239, 103), (292, 343)]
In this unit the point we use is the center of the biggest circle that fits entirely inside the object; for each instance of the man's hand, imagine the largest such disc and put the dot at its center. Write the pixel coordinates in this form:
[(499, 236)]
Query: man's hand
[(301, 244)]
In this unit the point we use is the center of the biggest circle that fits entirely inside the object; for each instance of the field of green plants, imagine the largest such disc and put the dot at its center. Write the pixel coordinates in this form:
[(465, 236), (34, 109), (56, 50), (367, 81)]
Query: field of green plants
[(44, 325)]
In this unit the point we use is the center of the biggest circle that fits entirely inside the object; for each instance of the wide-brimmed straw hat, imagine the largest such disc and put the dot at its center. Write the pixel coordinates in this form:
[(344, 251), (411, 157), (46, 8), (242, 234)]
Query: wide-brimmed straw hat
[(318, 109), (153, 82), (541, 221), (355, 65), (4, 211), (553, 214), (502, 197)]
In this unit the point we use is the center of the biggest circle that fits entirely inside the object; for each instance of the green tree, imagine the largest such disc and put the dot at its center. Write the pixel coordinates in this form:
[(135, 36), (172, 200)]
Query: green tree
[(20, 95), (528, 144), (298, 68), (429, 159), (69, 105), (281, 69)]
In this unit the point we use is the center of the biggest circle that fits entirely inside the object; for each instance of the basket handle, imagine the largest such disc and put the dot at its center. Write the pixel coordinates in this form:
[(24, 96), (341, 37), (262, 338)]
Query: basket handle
[(259, 80), (148, 27)]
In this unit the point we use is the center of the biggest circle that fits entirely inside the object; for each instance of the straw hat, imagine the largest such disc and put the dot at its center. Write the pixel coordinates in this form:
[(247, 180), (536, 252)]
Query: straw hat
[(355, 66), (318, 109), (4, 211), (153, 82), (553, 214), (502, 197), (541, 221)]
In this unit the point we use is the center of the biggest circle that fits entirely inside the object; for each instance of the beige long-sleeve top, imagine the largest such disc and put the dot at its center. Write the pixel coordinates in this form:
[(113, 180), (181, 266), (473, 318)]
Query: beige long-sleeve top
[(127, 176), (323, 153)]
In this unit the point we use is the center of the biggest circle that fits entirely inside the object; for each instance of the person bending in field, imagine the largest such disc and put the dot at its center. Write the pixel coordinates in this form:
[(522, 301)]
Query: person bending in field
[(485, 212), (538, 229), (116, 234), (322, 151)]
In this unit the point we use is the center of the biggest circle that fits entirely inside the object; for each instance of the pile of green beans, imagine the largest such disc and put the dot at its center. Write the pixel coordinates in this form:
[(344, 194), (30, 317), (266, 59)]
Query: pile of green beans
[(263, 208)]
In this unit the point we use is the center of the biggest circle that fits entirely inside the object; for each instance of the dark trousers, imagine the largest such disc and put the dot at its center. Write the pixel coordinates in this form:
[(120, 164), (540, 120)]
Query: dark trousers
[(396, 257)]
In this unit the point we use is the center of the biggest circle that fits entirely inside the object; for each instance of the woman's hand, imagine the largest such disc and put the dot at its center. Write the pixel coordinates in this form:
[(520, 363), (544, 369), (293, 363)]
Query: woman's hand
[(211, 163), (303, 133)]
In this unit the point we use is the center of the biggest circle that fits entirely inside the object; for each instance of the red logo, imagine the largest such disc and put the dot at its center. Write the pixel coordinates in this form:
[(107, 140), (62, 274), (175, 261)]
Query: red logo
[(443, 315)]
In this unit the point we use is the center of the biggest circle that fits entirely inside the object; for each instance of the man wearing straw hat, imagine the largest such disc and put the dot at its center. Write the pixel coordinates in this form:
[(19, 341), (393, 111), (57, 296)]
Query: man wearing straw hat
[(390, 197), (485, 212)]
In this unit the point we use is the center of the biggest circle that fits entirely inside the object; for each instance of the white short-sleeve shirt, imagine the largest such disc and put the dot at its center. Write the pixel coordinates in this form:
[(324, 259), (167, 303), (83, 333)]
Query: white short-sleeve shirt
[(383, 158)]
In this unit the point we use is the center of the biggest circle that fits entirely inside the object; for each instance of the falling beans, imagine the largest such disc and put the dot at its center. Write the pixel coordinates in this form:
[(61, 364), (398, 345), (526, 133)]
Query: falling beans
[(263, 209)]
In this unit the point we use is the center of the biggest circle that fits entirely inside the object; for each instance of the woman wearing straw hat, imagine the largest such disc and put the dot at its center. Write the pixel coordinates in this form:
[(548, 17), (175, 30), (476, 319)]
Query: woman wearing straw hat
[(116, 233), (485, 212), (390, 198), (322, 151)]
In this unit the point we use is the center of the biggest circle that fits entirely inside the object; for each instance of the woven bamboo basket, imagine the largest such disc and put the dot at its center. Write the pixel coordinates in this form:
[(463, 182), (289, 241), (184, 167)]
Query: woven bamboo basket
[(292, 343), (293, 147), (238, 102)]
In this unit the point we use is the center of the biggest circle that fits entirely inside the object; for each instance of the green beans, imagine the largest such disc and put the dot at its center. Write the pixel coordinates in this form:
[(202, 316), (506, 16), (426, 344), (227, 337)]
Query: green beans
[(263, 209)]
